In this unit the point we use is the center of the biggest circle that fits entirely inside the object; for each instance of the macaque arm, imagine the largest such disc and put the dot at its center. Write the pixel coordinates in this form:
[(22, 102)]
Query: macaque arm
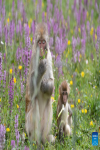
[(58, 111), (59, 122), (47, 86), (69, 110), (35, 80)]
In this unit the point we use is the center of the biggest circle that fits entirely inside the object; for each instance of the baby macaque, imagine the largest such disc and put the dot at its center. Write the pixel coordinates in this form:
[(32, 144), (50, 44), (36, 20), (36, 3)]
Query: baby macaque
[(39, 89), (64, 112)]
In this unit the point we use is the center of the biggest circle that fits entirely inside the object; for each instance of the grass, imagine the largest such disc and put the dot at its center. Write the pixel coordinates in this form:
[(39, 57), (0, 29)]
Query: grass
[(84, 88)]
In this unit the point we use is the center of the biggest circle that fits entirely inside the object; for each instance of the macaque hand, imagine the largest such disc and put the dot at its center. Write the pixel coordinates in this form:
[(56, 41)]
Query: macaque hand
[(47, 86), (44, 86), (42, 66)]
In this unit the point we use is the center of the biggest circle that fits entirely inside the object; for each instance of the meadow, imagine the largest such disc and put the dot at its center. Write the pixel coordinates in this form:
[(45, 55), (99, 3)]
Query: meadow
[(74, 30)]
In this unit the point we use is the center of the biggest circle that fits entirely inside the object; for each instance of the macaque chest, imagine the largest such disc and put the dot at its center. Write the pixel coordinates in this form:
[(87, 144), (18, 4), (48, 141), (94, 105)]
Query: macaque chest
[(64, 116)]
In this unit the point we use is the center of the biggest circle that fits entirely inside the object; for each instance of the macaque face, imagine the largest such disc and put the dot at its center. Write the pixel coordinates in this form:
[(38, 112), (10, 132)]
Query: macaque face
[(42, 47), (64, 97)]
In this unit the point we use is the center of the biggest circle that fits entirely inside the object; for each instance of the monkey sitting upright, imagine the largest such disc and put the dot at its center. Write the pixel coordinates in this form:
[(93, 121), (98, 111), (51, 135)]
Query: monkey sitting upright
[(39, 88), (64, 120)]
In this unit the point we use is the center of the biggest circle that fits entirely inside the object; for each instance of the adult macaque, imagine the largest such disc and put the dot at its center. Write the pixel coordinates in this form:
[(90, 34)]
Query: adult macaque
[(39, 88), (64, 113)]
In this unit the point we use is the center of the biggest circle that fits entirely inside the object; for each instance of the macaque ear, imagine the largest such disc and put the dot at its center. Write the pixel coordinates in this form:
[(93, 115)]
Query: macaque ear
[(59, 89)]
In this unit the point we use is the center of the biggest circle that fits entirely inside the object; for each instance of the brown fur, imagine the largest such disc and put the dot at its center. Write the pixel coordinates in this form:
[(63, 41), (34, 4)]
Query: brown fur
[(63, 87), (38, 119)]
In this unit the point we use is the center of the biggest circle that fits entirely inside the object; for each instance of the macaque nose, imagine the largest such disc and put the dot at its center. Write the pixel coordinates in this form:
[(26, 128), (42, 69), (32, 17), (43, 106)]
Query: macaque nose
[(41, 46), (64, 98)]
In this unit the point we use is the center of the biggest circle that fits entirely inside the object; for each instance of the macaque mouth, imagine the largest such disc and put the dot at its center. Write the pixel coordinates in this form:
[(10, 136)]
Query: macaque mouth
[(64, 100), (43, 50), (43, 53)]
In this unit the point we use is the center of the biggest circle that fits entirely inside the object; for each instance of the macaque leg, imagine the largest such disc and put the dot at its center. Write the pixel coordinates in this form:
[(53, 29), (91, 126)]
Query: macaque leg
[(61, 128), (50, 138), (67, 130), (33, 122), (70, 120), (46, 124), (70, 123)]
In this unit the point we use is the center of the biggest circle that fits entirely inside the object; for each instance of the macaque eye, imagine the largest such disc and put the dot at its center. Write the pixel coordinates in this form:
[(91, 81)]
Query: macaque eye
[(43, 42), (64, 93), (39, 42)]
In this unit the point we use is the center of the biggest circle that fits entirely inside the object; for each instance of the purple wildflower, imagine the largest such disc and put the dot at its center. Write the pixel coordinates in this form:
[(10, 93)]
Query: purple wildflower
[(67, 5), (51, 41), (34, 1), (92, 11), (83, 15), (43, 17), (2, 136), (74, 43), (98, 34), (48, 9), (58, 64), (26, 148), (78, 54), (6, 33), (74, 5), (13, 144), (4, 81), (0, 67), (0, 29), (27, 50), (12, 28), (75, 57), (22, 88), (26, 65), (16, 129), (98, 42), (96, 6), (23, 14), (40, 4), (0, 6), (13, 4), (86, 2), (83, 47), (55, 28), (83, 31), (18, 4), (88, 27), (78, 17), (11, 94), (3, 12), (61, 45), (18, 53)]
